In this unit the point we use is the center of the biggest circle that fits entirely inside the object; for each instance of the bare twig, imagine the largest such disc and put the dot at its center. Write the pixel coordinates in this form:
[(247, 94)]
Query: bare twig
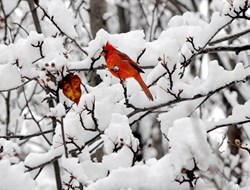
[(33, 117), (51, 18), (23, 137), (170, 73), (186, 62), (141, 54), (236, 49), (140, 118), (230, 37), (63, 138), (40, 47), (44, 164), (228, 124)]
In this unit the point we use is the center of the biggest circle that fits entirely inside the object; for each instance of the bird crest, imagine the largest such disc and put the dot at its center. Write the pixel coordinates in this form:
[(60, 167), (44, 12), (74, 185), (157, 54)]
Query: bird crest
[(108, 46)]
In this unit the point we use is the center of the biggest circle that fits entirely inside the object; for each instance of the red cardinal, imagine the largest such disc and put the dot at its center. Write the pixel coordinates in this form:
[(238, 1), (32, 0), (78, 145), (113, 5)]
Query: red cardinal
[(121, 66)]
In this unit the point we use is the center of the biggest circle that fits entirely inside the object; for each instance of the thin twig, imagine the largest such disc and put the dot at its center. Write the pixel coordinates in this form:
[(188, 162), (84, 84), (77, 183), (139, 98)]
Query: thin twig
[(33, 117), (51, 18), (228, 124), (236, 49), (63, 138), (230, 37), (23, 137)]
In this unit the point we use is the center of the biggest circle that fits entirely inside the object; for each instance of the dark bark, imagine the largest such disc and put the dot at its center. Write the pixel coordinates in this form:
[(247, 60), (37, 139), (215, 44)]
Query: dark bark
[(124, 19), (35, 16), (97, 9)]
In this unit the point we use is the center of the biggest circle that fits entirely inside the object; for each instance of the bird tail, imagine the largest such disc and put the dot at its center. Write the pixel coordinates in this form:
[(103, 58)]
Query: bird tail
[(144, 87)]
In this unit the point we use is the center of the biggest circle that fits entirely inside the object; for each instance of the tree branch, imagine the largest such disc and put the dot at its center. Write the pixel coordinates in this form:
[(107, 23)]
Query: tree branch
[(236, 49), (23, 137), (230, 37), (171, 102), (35, 16), (227, 124)]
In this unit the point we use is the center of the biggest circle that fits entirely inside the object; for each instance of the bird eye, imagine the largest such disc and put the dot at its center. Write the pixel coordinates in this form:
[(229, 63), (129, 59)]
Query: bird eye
[(104, 50)]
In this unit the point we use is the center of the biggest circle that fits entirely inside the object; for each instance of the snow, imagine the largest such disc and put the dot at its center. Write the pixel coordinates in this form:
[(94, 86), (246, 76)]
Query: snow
[(93, 170), (72, 131), (35, 159), (189, 134), (152, 174), (104, 110), (211, 83), (11, 77), (186, 134), (149, 152), (239, 113), (182, 110), (237, 4), (24, 54), (118, 137), (14, 178), (123, 158), (61, 16), (57, 111), (222, 76), (185, 109), (118, 133), (101, 119), (10, 151), (120, 41), (73, 168), (52, 46), (4, 55)]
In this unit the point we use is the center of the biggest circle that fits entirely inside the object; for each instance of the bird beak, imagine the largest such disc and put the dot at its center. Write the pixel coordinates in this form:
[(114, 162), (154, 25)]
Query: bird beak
[(103, 54)]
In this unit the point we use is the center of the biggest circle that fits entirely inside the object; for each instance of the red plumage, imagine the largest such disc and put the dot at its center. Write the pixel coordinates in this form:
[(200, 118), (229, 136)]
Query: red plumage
[(123, 67)]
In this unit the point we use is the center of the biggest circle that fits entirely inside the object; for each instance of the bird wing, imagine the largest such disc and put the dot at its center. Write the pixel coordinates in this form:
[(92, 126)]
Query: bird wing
[(127, 59)]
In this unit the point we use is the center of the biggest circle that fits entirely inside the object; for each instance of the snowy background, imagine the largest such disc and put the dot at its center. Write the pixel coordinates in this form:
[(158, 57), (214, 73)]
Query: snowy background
[(194, 135)]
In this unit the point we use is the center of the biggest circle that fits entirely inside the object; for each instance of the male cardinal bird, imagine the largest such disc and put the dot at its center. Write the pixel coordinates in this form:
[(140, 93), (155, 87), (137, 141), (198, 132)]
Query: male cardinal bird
[(121, 66)]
